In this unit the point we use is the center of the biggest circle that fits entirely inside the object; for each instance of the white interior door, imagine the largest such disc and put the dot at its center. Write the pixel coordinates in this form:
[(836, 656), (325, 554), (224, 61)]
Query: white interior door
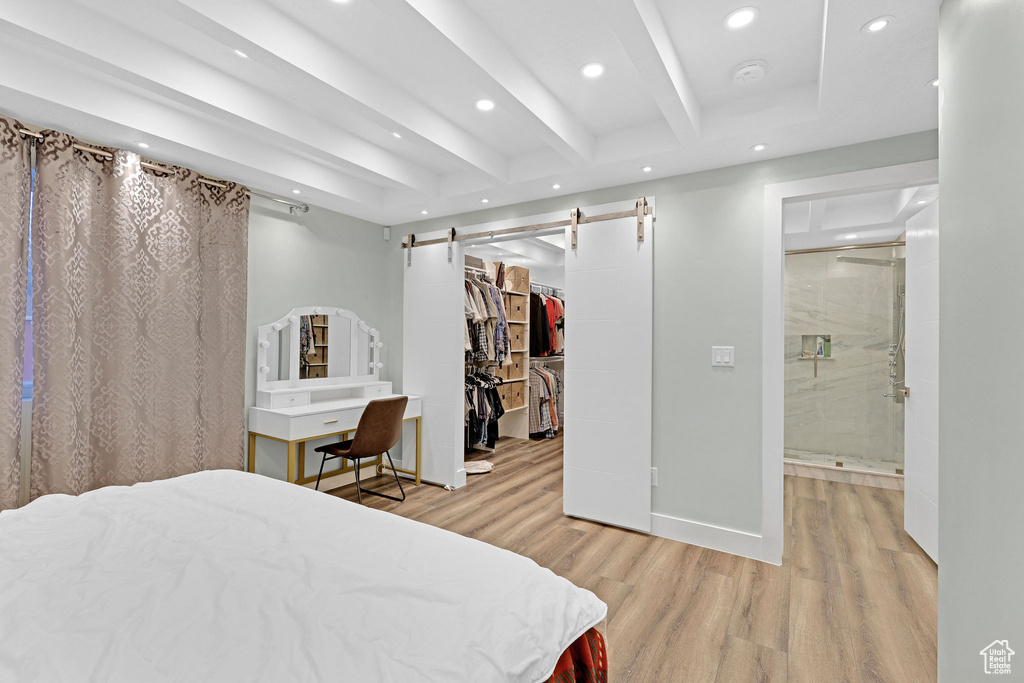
[(608, 372), (921, 469)]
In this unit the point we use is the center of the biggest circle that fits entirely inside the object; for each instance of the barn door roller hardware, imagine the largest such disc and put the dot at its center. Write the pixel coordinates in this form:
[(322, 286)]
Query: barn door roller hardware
[(576, 219)]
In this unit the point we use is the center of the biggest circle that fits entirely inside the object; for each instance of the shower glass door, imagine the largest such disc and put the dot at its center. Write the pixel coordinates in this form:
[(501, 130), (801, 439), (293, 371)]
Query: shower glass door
[(844, 366)]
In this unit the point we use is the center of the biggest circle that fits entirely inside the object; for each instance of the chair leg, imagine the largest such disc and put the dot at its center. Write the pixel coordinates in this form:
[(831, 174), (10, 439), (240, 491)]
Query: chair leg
[(359, 491), (322, 461), (395, 472), (399, 481)]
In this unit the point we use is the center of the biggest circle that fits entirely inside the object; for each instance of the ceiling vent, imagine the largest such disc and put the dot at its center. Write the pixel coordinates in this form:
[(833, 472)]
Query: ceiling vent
[(749, 72)]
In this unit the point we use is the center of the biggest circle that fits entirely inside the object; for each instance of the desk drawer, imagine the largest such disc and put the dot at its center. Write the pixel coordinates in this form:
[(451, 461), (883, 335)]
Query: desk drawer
[(289, 400), (309, 426)]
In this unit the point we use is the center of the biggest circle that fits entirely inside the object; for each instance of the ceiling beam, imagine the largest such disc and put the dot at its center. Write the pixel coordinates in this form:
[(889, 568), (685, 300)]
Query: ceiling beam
[(521, 93), (193, 84), (276, 39), (645, 37)]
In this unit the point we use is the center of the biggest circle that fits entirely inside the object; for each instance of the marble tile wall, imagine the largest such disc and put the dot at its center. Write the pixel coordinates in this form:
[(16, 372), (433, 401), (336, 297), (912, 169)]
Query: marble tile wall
[(841, 413)]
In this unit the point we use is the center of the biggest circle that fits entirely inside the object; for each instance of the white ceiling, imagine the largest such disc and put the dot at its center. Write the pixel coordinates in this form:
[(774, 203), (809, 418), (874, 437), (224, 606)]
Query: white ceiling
[(325, 84), (865, 218)]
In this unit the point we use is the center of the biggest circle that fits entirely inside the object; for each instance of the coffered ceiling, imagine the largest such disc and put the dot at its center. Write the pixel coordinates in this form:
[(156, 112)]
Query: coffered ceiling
[(368, 107)]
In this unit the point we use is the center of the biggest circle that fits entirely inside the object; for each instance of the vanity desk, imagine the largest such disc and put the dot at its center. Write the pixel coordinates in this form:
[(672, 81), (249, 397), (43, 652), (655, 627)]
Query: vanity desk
[(317, 369)]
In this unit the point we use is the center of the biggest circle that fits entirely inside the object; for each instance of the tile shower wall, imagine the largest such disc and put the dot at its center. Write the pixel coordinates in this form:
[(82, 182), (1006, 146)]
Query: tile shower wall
[(841, 415)]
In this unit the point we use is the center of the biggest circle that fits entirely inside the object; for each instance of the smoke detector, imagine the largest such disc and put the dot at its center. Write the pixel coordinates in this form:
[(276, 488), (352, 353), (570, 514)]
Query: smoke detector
[(749, 72)]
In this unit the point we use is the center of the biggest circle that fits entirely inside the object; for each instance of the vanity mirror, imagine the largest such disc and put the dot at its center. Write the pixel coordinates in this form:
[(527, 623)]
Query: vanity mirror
[(316, 346)]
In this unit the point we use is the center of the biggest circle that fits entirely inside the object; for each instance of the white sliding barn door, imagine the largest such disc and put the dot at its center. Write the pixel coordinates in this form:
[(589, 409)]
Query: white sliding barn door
[(608, 372), (921, 444), (433, 356)]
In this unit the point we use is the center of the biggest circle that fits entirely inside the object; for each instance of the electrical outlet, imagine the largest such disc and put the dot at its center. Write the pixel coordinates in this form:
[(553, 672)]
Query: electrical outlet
[(654, 476)]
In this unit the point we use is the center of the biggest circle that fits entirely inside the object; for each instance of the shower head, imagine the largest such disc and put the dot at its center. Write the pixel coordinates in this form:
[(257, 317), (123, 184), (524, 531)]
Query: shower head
[(885, 262)]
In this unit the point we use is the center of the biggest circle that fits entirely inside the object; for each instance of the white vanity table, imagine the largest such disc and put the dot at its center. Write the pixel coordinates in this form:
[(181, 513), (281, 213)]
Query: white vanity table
[(316, 369)]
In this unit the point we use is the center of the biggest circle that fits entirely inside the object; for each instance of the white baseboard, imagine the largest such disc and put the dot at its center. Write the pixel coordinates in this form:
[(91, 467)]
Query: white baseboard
[(725, 540)]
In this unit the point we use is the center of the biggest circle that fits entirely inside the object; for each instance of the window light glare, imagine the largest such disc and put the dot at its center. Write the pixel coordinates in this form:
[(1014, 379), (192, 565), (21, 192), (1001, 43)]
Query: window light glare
[(241, 54), (592, 70), (741, 17), (646, 169), (484, 105)]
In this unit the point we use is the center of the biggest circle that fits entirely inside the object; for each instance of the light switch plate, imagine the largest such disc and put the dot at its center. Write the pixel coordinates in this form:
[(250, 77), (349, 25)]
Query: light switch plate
[(723, 356)]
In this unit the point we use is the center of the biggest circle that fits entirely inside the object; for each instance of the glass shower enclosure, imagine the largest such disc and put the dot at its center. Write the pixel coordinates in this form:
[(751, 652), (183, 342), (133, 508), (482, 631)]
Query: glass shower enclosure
[(844, 358)]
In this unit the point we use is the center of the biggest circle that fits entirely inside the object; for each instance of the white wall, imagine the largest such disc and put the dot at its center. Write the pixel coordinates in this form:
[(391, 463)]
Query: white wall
[(708, 291), (981, 429), (319, 258)]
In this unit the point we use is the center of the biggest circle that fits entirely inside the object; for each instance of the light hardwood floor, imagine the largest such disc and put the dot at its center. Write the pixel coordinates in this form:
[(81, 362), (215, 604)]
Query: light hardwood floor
[(854, 600)]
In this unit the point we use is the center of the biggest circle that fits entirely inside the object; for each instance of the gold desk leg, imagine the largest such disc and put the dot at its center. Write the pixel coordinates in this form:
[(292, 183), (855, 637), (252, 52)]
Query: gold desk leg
[(251, 467), (291, 462), (418, 419), (302, 460)]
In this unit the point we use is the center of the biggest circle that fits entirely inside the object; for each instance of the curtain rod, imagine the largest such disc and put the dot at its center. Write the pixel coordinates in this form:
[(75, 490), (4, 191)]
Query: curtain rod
[(292, 206), (538, 226)]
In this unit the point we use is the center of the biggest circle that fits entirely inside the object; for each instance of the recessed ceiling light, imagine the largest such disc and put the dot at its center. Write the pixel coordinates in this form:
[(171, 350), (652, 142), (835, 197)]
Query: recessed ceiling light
[(143, 145), (759, 147), (592, 70), (935, 83), (296, 191), (484, 105), (849, 237), (646, 169), (424, 212), (876, 25), (556, 186), (485, 200), (741, 17), (396, 134), (241, 54), (920, 202)]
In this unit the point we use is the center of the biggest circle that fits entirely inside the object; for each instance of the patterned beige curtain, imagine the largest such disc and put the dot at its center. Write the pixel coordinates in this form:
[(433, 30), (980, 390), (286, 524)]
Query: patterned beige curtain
[(15, 186), (139, 321)]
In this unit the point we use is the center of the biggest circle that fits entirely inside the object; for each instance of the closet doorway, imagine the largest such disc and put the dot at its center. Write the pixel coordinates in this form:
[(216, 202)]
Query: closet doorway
[(604, 256)]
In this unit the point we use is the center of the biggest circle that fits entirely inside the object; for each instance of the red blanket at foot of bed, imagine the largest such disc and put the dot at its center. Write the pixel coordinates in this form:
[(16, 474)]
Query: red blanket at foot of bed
[(586, 661)]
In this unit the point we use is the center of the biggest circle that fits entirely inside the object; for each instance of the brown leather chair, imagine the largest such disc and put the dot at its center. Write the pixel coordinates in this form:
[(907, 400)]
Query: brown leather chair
[(378, 431)]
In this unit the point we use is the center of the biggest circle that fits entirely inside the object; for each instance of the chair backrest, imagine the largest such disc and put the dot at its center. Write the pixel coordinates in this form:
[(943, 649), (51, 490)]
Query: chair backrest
[(380, 427)]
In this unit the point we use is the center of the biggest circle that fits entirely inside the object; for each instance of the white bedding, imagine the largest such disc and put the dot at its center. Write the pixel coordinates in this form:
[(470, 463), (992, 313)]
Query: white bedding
[(226, 576)]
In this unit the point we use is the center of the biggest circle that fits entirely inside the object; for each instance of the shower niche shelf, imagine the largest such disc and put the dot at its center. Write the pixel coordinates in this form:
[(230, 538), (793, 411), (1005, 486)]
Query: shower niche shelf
[(819, 345)]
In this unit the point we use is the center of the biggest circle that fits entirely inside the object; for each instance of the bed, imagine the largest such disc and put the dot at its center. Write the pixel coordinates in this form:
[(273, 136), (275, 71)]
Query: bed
[(228, 576)]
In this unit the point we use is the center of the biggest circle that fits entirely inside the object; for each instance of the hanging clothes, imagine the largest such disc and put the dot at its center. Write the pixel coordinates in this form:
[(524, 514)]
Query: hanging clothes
[(487, 336), (547, 325), (483, 409), (545, 402)]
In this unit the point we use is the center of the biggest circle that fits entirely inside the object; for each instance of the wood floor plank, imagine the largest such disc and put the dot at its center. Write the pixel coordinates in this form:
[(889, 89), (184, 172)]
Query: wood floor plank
[(820, 648), (879, 628), (813, 548), (751, 663), (761, 612), (678, 612)]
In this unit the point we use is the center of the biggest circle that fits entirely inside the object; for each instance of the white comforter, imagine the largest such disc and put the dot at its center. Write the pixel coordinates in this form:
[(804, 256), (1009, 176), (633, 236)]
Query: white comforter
[(226, 576)]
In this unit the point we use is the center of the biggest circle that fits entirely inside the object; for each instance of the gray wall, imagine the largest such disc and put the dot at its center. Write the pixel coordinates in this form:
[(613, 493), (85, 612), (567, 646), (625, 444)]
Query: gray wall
[(981, 430), (319, 258), (708, 260)]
